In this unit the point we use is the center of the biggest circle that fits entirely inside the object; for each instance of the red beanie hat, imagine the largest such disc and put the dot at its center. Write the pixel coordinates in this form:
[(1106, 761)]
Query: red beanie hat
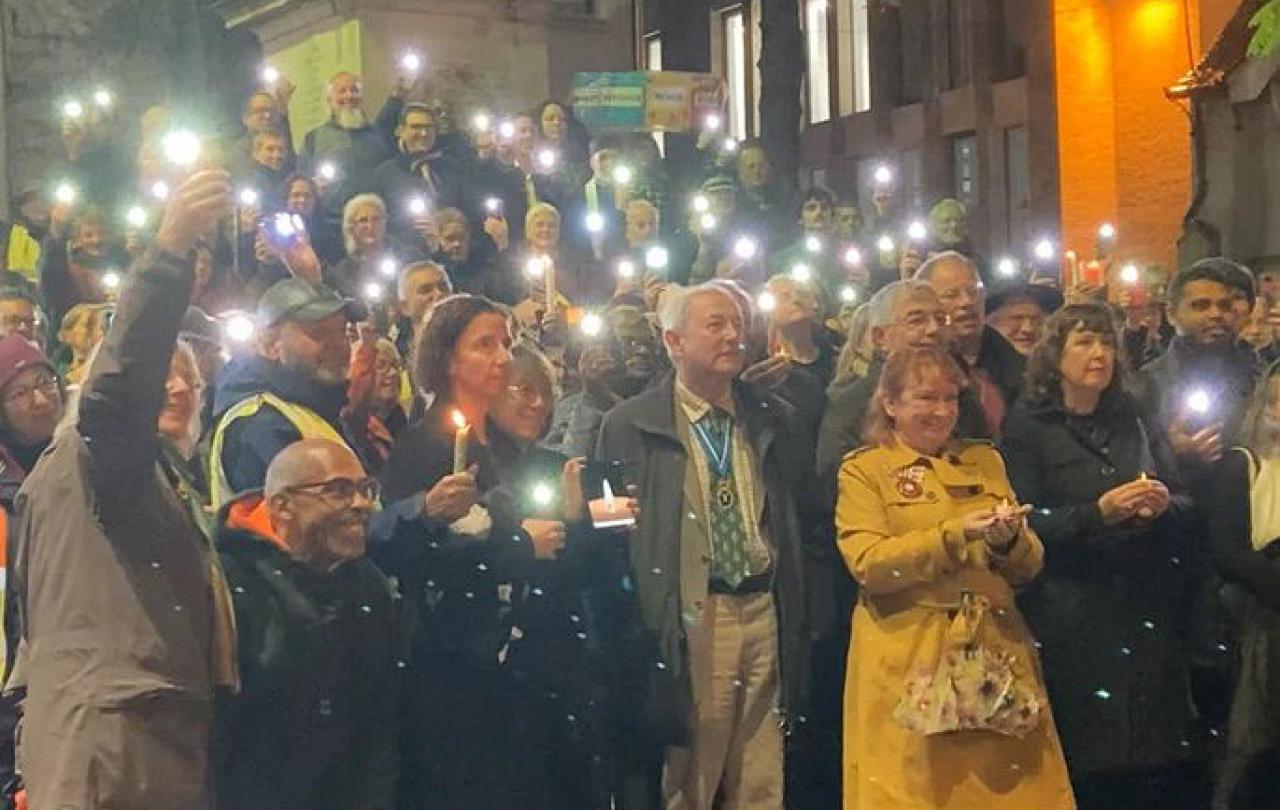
[(18, 354)]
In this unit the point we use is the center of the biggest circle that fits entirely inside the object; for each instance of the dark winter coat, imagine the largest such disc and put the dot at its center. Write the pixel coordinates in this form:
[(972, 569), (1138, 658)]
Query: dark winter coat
[(640, 437), (1109, 609), (354, 152), (315, 723)]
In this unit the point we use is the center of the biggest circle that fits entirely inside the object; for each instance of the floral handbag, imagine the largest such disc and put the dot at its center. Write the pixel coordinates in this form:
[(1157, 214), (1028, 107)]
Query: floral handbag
[(973, 687)]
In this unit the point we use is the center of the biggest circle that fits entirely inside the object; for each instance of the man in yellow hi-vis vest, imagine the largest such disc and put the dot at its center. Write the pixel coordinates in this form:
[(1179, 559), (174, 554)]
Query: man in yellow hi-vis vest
[(294, 387)]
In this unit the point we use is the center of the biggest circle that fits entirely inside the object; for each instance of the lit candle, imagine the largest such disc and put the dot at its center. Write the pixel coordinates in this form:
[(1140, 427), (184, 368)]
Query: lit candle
[(549, 283), (608, 496), (460, 442)]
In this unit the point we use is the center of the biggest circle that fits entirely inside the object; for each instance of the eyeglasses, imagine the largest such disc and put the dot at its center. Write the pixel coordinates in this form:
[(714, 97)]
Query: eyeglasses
[(341, 491), (14, 323), (46, 384), (528, 394)]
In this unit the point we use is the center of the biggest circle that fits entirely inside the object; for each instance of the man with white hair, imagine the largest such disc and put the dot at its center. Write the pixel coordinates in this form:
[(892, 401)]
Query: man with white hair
[(717, 560), (343, 151)]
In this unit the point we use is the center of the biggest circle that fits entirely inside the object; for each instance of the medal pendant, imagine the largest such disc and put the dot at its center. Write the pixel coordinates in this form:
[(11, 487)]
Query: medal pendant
[(724, 494)]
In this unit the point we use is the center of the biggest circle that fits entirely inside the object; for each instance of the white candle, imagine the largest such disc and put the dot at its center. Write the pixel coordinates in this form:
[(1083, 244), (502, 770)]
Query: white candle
[(608, 496), (549, 283), (460, 442)]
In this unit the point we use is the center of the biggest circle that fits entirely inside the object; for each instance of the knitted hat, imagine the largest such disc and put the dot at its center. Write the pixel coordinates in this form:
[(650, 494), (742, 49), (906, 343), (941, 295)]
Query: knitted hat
[(17, 354)]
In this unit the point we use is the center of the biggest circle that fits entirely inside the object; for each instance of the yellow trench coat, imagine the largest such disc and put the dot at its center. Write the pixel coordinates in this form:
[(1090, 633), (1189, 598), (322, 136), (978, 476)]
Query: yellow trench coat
[(898, 523)]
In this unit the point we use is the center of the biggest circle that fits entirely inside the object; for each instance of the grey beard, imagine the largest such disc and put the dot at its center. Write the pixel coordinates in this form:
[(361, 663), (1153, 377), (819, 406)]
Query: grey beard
[(350, 119)]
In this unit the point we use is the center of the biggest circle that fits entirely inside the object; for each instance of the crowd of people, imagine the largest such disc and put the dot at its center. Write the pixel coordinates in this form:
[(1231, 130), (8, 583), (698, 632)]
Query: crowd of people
[(490, 463)]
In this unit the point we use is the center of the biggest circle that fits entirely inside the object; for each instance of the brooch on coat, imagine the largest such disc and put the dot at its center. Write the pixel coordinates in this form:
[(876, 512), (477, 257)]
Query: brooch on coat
[(909, 480)]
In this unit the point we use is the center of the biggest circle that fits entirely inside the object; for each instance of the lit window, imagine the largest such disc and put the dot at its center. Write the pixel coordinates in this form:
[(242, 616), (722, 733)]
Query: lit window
[(964, 153), (734, 30), (860, 53), (653, 52), (819, 76)]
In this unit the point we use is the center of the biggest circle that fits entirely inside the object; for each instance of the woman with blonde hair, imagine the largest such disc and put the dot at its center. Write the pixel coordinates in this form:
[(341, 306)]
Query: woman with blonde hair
[(944, 705)]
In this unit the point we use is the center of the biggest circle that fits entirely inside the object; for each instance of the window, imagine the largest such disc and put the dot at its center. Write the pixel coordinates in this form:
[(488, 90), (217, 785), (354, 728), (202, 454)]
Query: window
[(860, 55), (653, 52), (734, 32), (1017, 172), (1008, 25), (913, 51), (959, 43), (964, 168), (818, 80)]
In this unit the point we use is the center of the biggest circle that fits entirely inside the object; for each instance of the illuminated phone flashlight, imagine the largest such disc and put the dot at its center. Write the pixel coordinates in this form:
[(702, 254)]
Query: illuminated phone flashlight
[(418, 207), (701, 204), (238, 327), (1199, 401), (885, 244), (1130, 274), (543, 493), (111, 280), (1044, 250), (848, 294), (594, 221), (801, 273), (1106, 231), (506, 130), (547, 159), (327, 171), (535, 267), (136, 217), (766, 301), (103, 98), (389, 267), (1007, 267), (270, 75), (883, 175), (730, 144), (712, 122), (481, 122), (248, 197), (626, 269), (813, 244), (591, 325), (623, 175), (852, 256), (493, 205), (72, 109), (285, 226), (181, 147), (411, 63), (745, 248), (373, 291), (708, 222), (65, 193), (657, 258), (917, 232), (160, 190)]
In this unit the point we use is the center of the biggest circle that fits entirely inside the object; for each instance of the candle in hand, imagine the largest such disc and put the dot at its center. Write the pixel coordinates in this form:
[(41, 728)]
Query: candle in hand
[(549, 283), (460, 442), (608, 496)]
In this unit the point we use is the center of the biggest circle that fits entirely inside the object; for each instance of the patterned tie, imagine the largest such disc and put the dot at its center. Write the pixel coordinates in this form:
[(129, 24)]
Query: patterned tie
[(729, 562)]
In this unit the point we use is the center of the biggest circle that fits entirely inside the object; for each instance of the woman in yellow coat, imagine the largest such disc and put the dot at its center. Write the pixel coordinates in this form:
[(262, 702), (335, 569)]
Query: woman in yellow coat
[(944, 703)]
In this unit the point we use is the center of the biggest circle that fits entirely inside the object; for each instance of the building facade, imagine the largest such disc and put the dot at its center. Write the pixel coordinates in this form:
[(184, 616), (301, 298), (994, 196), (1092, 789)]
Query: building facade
[(1045, 117)]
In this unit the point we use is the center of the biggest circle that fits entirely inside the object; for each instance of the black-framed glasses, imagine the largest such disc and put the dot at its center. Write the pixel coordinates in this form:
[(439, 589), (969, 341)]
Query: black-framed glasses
[(46, 384), (341, 490)]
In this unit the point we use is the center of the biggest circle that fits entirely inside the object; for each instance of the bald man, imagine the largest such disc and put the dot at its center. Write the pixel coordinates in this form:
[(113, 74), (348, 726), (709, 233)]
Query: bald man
[(349, 142), (315, 723)]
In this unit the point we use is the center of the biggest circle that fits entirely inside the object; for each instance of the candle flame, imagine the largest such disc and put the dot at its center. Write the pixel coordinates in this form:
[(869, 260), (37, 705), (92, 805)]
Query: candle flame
[(458, 419)]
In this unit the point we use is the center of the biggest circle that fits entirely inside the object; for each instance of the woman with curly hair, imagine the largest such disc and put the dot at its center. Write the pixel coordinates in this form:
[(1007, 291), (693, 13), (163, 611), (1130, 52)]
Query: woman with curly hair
[(1108, 607)]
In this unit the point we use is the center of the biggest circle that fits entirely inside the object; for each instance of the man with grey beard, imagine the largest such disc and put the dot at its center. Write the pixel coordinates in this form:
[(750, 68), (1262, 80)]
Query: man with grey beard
[(342, 152)]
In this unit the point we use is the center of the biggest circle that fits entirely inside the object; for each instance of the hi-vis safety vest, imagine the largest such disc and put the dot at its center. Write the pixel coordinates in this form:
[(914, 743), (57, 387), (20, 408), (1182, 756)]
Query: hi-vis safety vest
[(22, 253), (304, 420)]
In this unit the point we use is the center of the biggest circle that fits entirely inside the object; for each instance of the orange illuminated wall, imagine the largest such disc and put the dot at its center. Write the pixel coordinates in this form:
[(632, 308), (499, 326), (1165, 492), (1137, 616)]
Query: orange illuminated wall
[(1124, 150)]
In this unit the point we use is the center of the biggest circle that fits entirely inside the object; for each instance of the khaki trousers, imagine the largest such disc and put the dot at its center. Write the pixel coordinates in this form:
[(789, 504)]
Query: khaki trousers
[(736, 735)]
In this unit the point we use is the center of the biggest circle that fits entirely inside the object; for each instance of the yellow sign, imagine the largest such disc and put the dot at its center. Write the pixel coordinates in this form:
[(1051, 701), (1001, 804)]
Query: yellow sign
[(309, 65)]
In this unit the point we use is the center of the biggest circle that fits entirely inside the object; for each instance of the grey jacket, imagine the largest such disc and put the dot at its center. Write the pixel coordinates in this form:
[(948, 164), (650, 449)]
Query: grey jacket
[(112, 580), (639, 438)]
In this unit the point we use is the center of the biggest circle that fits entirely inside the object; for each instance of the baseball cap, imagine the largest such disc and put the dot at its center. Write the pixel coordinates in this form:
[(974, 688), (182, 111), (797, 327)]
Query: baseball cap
[(298, 300)]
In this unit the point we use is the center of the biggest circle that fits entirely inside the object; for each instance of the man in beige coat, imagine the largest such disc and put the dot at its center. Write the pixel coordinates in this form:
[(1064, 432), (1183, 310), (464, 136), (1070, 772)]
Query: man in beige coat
[(124, 632)]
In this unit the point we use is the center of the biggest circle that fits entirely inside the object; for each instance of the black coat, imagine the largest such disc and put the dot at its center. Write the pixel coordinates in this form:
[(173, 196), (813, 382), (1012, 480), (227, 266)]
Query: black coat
[(577, 656), (463, 734), (1109, 608), (315, 723)]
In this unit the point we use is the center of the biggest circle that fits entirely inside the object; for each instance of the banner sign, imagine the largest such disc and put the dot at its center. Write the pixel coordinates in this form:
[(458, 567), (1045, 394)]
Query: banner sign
[(656, 101)]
